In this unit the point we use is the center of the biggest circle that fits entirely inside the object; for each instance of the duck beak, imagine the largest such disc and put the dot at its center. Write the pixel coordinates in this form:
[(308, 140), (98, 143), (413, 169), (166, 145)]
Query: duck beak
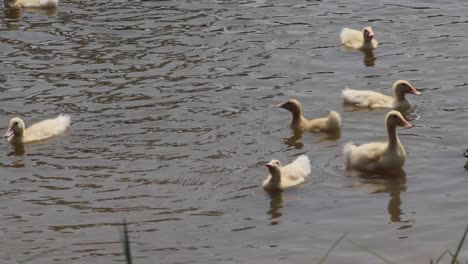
[(10, 132), (270, 165), (281, 105), (405, 123), (414, 91), (371, 33)]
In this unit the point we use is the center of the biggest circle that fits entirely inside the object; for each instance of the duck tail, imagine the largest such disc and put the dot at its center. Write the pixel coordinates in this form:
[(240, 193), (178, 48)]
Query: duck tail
[(302, 162), (347, 95), (348, 150), (63, 122), (334, 121)]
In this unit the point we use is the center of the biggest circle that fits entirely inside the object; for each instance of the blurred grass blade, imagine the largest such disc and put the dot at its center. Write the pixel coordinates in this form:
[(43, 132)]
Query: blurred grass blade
[(442, 256), (322, 260), (454, 260), (125, 240), (370, 252)]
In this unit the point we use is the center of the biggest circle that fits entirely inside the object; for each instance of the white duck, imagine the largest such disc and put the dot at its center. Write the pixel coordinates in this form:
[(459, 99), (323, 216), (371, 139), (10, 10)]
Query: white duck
[(332, 123), (17, 132), (32, 3), (379, 157), (360, 40), (371, 99), (287, 176)]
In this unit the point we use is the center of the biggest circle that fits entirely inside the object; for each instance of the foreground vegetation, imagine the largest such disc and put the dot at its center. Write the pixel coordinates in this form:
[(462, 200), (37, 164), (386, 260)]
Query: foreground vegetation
[(447, 254)]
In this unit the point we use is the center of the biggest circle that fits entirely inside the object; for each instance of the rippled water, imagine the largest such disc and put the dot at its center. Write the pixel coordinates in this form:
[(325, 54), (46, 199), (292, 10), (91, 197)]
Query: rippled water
[(173, 109)]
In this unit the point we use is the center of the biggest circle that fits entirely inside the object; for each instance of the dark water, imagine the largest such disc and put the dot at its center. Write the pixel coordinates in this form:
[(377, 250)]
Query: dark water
[(173, 115)]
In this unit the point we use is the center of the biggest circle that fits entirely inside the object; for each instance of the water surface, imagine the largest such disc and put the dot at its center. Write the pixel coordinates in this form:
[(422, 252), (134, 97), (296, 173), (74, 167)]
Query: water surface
[(173, 109)]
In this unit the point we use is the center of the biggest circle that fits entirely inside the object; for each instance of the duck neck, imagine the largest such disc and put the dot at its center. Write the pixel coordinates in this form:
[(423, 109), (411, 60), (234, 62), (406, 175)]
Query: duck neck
[(399, 95), (275, 176), (296, 117), (393, 140), (16, 139), (17, 136)]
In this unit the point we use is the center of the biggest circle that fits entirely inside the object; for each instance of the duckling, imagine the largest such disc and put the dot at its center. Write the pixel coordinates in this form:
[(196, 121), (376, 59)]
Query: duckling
[(332, 123), (377, 157), (282, 177), (359, 40), (371, 99), (17, 132)]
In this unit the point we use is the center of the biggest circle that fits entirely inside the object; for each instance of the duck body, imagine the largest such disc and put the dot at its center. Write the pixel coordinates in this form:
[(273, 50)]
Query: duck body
[(358, 40), (331, 123), (377, 157), (283, 177), (374, 157), (17, 132), (32, 3), (371, 99)]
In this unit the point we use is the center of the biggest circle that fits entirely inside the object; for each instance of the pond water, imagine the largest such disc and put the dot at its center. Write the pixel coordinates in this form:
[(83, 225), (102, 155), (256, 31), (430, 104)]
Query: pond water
[(173, 118)]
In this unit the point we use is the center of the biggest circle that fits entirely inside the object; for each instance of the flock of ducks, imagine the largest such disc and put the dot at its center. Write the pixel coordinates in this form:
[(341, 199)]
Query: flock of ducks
[(374, 157)]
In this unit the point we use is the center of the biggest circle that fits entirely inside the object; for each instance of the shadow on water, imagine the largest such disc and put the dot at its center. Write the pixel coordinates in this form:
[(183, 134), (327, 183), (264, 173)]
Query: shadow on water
[(392, 174), (395, 187), (330, 136), (369, 58), (15, 13), (295, 140), (12, 13), (18, 150), (276, 206), (393, 184)]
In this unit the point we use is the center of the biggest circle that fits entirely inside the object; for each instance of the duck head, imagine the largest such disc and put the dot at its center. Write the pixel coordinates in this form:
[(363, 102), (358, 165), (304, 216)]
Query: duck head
[(402, 87), (293, 106), (273, 167), (16, 127), (395, 118), (368, 34)]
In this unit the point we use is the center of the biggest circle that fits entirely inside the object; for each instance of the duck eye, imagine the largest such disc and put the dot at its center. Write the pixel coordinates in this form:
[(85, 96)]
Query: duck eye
[(15, 123)]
